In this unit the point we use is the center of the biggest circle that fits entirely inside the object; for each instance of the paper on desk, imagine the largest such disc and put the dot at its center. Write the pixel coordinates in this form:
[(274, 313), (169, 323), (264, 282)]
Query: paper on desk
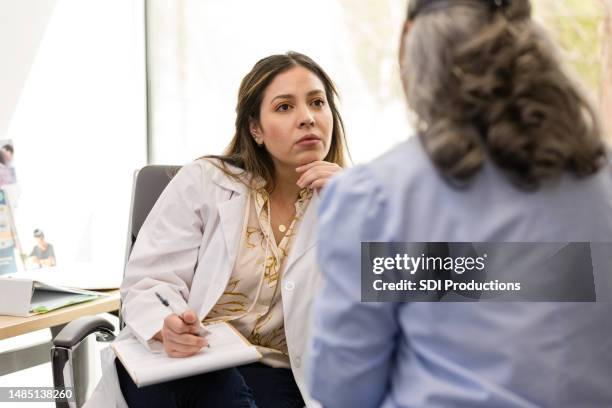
[(77, 275), (44, 301), (23, 296)]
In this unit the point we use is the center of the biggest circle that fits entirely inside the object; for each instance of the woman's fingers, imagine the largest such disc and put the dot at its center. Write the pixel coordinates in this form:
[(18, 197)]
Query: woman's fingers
[(189, 317), (318, 171), (176, 324), (319, 165), (187, 323), (185, 339), (305, 167), (318, 184), (184, 345), (313, 175), (178, 338)]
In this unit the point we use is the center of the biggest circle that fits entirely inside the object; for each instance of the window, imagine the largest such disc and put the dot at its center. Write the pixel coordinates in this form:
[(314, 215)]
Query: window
[(201, 49), (77, 122)]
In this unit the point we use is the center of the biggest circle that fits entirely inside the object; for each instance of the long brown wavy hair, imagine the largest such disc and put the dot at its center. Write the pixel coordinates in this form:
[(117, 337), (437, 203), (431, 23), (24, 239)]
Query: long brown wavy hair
[(242, 151), (485, 81)]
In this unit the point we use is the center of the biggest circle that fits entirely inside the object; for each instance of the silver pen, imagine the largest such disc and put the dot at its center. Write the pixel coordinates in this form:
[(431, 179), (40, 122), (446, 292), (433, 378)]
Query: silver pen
[(202, 332)]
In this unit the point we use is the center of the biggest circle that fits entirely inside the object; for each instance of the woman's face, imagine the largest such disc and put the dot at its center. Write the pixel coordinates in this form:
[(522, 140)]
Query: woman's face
[(295, 120)]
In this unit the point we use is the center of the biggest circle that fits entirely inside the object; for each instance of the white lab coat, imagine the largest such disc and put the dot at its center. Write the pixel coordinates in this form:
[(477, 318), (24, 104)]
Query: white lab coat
[(195, 226)]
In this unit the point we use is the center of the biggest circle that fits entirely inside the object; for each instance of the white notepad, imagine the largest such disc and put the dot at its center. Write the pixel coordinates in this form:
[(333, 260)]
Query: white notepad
[(228, 348)]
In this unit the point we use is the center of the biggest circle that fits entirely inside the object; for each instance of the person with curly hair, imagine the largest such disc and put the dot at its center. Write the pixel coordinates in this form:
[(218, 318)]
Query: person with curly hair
[(507, 150)]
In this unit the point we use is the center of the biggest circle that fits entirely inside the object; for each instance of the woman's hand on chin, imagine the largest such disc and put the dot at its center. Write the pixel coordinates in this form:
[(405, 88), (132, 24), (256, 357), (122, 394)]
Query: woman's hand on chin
[(316, 174)]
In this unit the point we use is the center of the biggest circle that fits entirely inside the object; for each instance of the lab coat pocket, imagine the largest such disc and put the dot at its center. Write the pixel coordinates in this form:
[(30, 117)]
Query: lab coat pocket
[(107, 393)]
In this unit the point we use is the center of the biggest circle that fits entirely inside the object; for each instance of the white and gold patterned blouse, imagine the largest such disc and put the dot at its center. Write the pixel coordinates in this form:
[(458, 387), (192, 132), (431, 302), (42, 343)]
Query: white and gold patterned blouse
[(252, 299)]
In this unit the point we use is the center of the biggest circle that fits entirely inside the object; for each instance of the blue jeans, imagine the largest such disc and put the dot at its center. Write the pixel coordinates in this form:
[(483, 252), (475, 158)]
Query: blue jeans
[(251, 386)]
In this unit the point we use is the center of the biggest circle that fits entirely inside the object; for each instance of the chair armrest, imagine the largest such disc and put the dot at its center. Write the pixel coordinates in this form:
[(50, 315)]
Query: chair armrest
[(75, 331)]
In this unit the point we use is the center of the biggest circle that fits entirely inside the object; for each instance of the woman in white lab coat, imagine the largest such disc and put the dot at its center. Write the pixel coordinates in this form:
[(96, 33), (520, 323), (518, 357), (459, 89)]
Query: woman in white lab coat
[(232, 238)]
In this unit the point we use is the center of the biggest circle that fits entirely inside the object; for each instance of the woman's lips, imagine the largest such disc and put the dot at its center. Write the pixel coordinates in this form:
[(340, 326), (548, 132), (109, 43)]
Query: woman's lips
[(308, 141)]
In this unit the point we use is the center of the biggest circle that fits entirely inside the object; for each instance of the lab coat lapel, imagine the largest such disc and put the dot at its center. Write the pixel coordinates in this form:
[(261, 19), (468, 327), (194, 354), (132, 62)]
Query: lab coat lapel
[(231, 214), (231, 211), (307, 233)]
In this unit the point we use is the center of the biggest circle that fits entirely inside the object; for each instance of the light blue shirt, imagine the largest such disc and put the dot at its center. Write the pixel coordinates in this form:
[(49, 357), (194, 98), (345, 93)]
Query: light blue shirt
[(456, 354)]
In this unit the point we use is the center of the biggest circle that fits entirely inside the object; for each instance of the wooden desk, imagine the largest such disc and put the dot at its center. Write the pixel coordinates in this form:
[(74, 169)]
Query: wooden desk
[(30, 356), (11, 326)]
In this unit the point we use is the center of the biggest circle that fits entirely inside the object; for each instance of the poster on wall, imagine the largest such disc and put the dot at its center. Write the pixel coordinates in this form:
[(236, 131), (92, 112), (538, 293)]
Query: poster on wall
[(8, 262), (7, 168), (8, 175)]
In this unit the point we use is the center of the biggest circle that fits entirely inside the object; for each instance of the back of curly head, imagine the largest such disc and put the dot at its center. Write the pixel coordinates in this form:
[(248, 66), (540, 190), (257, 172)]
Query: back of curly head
[(487, 82)]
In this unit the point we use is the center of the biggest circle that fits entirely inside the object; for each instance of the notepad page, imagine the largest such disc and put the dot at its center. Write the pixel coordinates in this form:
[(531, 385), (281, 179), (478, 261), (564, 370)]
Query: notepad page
[(227, 349)]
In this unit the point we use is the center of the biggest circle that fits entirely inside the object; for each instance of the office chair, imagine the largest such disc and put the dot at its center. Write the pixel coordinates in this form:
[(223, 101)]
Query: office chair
[(69, 352)]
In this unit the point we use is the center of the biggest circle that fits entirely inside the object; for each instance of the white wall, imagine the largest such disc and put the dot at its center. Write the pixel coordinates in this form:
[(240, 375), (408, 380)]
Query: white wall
[(76, 113), (22, 25)]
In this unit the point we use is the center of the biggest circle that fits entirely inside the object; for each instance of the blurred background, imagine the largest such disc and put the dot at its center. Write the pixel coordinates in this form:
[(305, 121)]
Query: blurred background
[(92, 90), (201, 49), (76, 104)]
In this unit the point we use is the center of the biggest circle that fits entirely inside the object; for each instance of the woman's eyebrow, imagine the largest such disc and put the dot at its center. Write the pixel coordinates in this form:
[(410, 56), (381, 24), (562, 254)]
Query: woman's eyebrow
[(284, 96), (316, 92), (291, 96)]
